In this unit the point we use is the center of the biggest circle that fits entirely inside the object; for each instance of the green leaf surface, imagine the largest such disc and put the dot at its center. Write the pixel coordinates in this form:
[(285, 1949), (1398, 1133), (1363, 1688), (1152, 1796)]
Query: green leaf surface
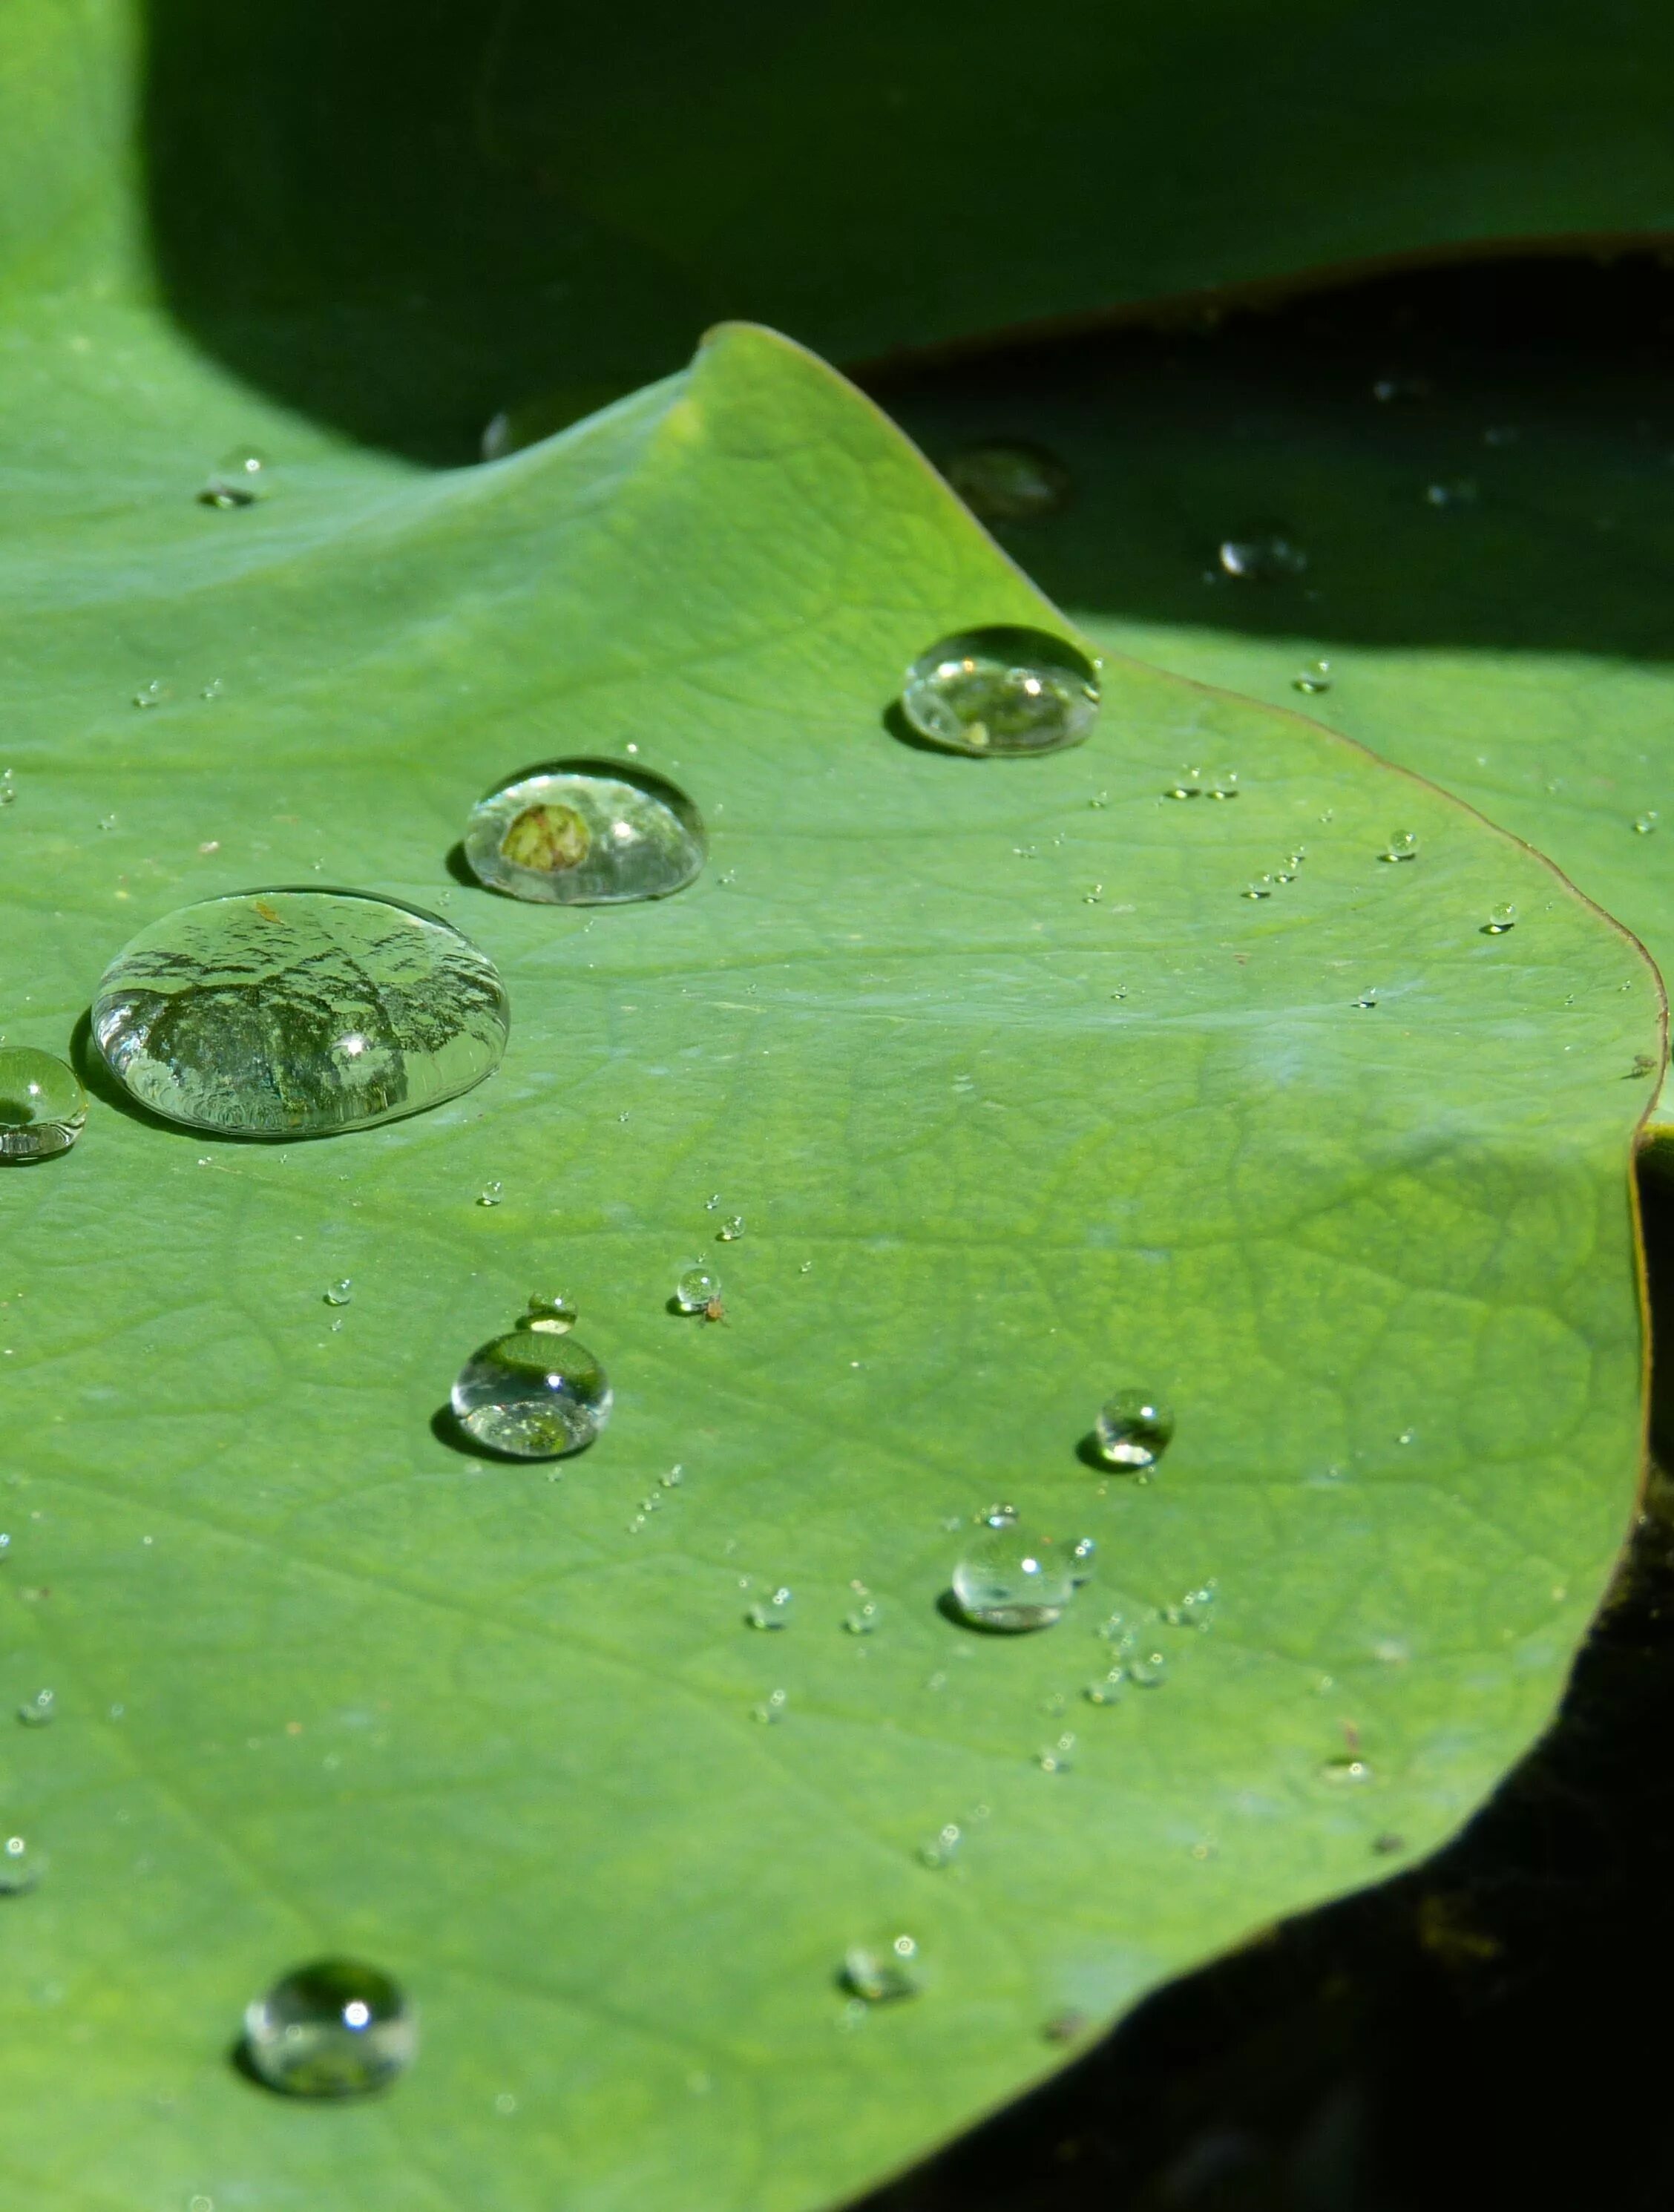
[(1487, 550), (404, 222), (1021, 1099)]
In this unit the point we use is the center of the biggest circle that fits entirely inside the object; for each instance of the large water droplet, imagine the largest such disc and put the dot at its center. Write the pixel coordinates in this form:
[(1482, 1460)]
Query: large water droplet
[(696, 1289), (333, 2029), (1133, 1430), (532, 1395), (292, 1013), (1009, 1577), (586, 833), (883, 1972), (1009, 480), (1002, 690), (42, 1105)]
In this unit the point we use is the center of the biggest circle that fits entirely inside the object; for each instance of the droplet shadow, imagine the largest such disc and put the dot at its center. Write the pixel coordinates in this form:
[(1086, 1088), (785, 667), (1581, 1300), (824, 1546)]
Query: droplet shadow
[(460, 868), (950, 1609)]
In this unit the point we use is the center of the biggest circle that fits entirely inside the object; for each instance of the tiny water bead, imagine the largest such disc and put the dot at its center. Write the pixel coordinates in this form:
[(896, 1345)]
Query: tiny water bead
[(731, 1229), (21, 1868), (1006, 689), (1312, 678), (532, 1395), (1645, 822), (40, 1711), (333, 2029), (490, 1194), (882, 1973), (863, 1620), (550, 1312), (586, 833), (340, 1293), (42, 1105), (1193, 783), (1403, 846), (1347, 1768), (1008, 1577), (1501, 918), (1263, 557), (296, 1013), (1260, 887), (698, 1288), (940, 1850), (1009, 480), (1134, 1430), (8, 787), (239, 479), (772, 1611)]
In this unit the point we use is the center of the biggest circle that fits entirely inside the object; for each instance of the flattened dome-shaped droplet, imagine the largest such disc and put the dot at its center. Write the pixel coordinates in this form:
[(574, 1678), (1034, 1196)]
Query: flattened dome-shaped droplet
[(42, 1105), (1004, 689), (586, 833), (532, 1395), (299, 1013), (335, 2028)]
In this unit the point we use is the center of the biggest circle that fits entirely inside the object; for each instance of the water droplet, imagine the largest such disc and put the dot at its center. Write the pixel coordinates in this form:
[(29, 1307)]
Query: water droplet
[(42, 1105), (1188, 784), (1223, 784), (1133, 1430), (38, 1711), (879, 1974), (712, 1203), (1462, 492), (863, 1620), (1501, 919), (288, 1013), (532, 1395), (1645, 822), (1314, 676), (771, 1709), (1367, 999), (1011, 1579), (1262, 558), (1083, 1551), (1260, 889), (491, 1193), (586, 833), (333, 2029), (1002, 690), (1194, 1610), (21, 1868), (1058, 1756), (340, 1293), (1403, 846), (1347, 1767), (673, 1479), (940, 1850), (549, 1312), (1008, 480), (1407, 1437), (1399, 386), (771, 1612), (8, 787), (1092, 898), (1105, 1689), (152, 694), (731, 1229), (696, 1289), (1146, 1670)]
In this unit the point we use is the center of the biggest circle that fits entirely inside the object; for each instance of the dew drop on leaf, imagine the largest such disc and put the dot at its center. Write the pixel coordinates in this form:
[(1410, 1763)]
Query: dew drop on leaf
[(333, 2029), (586, 833), (532, 1395), (881, 1973), (696, 1289), (1403, 846), (1002, 690), (1501, 918), (1134, 1430), (1010, 1577), (42, 1105)]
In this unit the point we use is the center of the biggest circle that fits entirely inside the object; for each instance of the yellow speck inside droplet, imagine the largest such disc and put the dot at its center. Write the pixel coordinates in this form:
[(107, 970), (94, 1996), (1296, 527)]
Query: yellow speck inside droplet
[(548, 838)]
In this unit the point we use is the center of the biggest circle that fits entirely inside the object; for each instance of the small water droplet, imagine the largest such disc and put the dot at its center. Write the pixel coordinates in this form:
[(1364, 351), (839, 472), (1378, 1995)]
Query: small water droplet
[(1195, 1609), (697, 1288), (532, 1395), (863, 1620), (1462, 492), (1367, 999), (490, 1194), (586, 833), (1403, 846), (215, 688), (1401, 385), (1501, 919), (1134, 1430), (1002, 690), (1008, 480), (1261, 557), (1501, 434), (1147, 1670), (333, 2029), (1106, 1689), (1645, 822), (549, 1311), (1407, 1437), (1314, 676), (21, 1868), (38, 1711), (346, 1010), (152, 694), (731, 1229), (712, 1203), (1093, 897), (881, 1973), (1009, 1577), (771, 1612), (673, 1479), (771, 1709), (1261, 887), (340, 1293), (1058, 1756), (1347, 1767), (940, 1850), (1100, 798), (1083, 1551), (107, 822), (8, 787), (43, 1106)]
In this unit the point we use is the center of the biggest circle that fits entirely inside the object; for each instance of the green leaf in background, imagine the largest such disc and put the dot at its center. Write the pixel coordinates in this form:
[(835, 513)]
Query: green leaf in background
[(403, 221), (1021, 1100), (1487, 543)]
